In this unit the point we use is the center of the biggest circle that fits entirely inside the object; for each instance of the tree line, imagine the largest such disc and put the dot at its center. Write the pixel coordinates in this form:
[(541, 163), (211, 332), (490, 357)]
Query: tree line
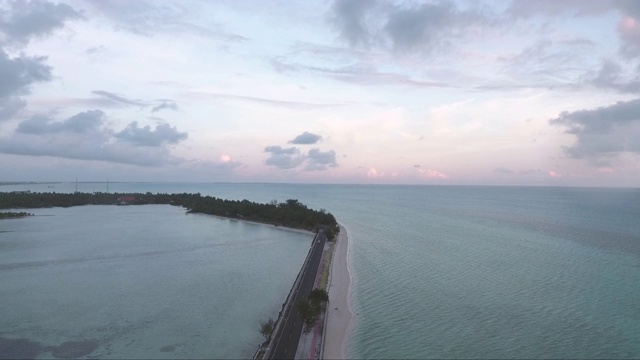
[(290, 213)]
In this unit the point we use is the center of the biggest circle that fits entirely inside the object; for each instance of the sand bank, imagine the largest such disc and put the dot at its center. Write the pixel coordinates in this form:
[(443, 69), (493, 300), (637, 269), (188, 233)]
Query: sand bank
[(340, 316)]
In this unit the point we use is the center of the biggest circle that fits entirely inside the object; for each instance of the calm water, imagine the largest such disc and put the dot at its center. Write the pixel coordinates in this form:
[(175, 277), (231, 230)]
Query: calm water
[(478, 272), (143, 281)]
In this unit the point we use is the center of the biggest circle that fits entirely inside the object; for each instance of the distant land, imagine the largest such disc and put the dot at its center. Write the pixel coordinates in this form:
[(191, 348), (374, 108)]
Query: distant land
[(290, 213), (13, 215)]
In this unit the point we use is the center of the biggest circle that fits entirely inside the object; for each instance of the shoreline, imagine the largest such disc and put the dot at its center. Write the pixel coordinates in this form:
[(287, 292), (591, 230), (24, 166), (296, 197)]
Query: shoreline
[(339, 313), (279, 227)]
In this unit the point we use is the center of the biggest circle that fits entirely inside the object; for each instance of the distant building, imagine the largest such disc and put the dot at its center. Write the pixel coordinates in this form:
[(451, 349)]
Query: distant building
[(22, 192), (126, 200)]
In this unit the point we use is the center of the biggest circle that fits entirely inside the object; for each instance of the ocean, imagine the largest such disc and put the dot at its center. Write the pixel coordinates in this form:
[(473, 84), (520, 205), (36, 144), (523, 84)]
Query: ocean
[(473, 272)]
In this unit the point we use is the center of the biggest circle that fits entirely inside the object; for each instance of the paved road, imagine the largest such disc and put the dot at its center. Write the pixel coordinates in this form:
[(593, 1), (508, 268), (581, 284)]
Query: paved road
[(285, 341)]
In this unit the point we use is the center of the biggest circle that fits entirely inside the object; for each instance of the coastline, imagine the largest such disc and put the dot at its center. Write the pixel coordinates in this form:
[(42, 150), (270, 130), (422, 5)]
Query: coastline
[(279, 227), (340, 316)]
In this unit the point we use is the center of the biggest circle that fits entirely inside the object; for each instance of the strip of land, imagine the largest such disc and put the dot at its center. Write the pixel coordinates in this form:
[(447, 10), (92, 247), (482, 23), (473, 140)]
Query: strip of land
[(340, 316), (291, 213)]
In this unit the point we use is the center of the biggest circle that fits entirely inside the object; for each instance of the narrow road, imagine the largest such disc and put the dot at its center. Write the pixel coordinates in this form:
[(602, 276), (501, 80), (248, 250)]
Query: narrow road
[(285, 341)]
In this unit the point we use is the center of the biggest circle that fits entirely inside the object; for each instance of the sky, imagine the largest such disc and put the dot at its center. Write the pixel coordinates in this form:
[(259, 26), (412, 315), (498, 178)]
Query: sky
[(542, 93)]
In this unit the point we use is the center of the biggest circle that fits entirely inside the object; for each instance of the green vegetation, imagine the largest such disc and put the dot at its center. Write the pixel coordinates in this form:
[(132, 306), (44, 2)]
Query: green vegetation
[(12, 215), (290, 213), (266, 328), (313, 307), (326, 267)]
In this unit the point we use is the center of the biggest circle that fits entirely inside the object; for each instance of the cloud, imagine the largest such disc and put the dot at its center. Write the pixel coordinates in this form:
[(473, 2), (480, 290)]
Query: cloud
[(306, 138), (526, 9), (296, 105), (147, 18), (521, 172), (165, 104), (629, 30), (9, 106), (357, 73), (86, 136), (80, 123), (319, 161), (21, 21), (612, 75), (603, 132), (432, 174), (119, 99), (373, 173), (403, 27), (284, 158), (351, 18), (111, 99), (19, 73), (554, 174), (290, 158), (502, 171), (144, 136)]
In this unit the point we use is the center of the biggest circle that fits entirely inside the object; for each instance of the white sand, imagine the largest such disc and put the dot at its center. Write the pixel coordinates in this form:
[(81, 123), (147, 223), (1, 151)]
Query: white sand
[(339, 321)]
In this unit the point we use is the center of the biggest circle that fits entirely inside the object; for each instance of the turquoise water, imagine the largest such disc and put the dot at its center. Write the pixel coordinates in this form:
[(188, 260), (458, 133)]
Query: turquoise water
[(479, 272)]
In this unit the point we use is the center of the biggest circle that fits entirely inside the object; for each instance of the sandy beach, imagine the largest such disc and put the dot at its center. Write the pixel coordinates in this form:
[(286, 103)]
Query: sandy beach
[(340, 316)]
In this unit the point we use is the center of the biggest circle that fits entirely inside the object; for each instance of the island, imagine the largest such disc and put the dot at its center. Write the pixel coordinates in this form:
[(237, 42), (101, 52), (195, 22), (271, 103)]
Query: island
[(13, 215), (291, 213)]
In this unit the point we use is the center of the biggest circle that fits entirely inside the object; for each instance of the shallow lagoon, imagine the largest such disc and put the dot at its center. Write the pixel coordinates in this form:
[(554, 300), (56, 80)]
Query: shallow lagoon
[(142, 281)]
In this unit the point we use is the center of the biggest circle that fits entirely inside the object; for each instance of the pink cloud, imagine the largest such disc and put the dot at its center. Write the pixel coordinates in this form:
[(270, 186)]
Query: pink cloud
[(629, 27), (432, 174), (554, 174), (373, 173)]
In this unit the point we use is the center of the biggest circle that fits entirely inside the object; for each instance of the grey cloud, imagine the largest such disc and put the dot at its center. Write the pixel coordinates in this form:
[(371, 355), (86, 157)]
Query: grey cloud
[(501, 170), (403, 27), (165, 104), (289, 158), (279, 150), (113, 99), (612, 75), (426, 25), (146, 18), (284, 158), (604, 132), (144, 136), (85, 136), (525, 9), (630, 7), (94, 148), (19, 73), (318, 160), (629, 32), (95, 50), (306, 138), (83, 122), (119, 99), (532, 172), (9, 106), (20, 21), (351, 18)]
